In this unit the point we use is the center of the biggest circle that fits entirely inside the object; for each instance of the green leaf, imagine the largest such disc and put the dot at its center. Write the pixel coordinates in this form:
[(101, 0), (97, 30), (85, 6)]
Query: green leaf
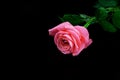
[(108, 3), (116, 18), (72, 18), (84, 16), (107, 26), (101, 14)]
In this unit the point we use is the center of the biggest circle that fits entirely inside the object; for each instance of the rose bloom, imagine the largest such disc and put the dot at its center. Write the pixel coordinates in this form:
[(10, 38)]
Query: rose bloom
[(70, 39)]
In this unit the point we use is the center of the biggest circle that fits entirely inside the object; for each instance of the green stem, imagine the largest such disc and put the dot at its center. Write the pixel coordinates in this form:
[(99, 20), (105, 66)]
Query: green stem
[(90, 22)]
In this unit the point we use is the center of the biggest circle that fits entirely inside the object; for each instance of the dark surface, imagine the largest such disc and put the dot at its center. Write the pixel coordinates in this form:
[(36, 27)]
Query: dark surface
[(99, 61)]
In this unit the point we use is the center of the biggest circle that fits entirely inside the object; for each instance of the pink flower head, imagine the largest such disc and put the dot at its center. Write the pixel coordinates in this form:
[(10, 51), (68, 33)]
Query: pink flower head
[(70, 39)]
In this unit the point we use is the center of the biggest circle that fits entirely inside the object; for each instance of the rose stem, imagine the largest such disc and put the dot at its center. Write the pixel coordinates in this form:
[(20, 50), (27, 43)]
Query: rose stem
[(90, 22)]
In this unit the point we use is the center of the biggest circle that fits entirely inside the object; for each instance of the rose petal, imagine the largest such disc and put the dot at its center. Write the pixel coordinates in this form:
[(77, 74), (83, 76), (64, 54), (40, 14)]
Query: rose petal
[(90, 41), (85, 35), (62, 26), (75, 37), (63, 48), (59, 35), (84, 32), (67, 36), (79, 50), (70, 44)]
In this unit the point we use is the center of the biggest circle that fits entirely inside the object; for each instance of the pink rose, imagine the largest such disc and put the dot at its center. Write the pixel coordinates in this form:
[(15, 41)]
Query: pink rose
[(70, 39)]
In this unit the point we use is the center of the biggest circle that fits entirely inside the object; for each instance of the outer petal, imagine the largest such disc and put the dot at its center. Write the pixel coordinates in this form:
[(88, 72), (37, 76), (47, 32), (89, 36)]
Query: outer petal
[(83, 31), (90, 41), (84, 34), (79, 50), (62, 26)]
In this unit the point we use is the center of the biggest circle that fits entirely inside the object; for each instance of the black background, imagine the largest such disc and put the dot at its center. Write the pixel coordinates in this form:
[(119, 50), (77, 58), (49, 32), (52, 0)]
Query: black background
[(99, 61)]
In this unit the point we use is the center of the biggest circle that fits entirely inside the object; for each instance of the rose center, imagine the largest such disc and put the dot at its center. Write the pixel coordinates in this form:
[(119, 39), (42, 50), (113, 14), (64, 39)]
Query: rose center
[(65, 42)]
